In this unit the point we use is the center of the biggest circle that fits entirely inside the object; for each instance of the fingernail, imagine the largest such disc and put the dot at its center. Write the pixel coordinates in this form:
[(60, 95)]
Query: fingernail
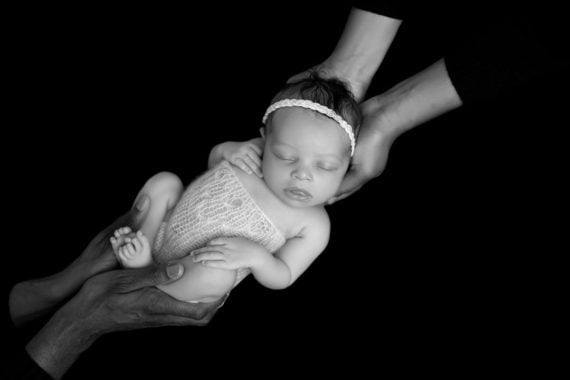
[(174, 271), (141, 202)]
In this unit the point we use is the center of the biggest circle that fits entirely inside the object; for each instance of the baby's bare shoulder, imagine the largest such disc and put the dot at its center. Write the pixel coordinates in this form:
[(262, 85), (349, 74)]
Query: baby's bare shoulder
[(315, 220)]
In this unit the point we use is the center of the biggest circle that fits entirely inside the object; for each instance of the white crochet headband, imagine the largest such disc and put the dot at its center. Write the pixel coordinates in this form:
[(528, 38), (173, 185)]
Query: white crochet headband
[(315, 107)]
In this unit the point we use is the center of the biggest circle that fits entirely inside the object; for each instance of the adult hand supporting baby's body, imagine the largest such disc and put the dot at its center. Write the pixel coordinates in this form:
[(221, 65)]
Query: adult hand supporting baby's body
[(36, 297), (107, 301), (120, 300), (129, 298)]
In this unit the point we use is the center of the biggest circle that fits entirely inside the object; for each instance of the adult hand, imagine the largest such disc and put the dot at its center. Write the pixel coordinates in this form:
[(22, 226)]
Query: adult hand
[(98, 256), (371, 152), (359, 51), (118, 300), (328, 69), (415, 100), (129, 299), (33, 298)]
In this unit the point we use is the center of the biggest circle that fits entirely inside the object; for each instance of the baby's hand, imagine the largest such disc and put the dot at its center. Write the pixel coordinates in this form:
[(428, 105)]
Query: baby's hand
[(231, 253), (245, 155)]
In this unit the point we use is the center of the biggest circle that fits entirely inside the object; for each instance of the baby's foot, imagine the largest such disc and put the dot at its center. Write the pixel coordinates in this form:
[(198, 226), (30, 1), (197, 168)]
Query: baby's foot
[(131, 249)]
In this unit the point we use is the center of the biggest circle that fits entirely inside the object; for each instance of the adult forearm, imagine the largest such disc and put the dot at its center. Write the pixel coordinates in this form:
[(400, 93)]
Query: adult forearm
[(363, 44), (34, 298), (413, 101), (59, 343)]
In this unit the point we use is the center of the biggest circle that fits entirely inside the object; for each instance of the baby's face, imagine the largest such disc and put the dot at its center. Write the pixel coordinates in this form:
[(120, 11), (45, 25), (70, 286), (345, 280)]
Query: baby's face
[(305, 158)]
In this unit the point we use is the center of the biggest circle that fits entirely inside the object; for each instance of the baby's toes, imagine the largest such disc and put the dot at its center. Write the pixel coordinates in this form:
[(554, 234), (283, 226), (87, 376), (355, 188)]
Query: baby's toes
[(130, 250), (114, 243), (137, 244), (143, 239), (125, 230), (122, 253)]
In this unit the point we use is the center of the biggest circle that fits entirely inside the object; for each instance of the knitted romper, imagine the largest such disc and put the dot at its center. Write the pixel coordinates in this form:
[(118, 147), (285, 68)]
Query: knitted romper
[(214, 205)]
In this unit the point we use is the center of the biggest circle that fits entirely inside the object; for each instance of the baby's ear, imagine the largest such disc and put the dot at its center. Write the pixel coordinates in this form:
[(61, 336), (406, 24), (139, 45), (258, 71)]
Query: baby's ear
[(262, 132)]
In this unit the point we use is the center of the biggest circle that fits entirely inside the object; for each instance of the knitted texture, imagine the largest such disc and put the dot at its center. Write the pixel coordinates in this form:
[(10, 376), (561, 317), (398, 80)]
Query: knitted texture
[(215, 205)]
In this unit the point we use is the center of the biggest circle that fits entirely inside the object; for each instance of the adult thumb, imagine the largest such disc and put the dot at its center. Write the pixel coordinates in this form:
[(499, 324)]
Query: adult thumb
[(153, 276), (142, 203), (174, 271)]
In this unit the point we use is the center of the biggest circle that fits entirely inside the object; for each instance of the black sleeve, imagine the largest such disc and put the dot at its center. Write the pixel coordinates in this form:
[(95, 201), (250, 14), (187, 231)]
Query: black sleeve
[(17, 363), (491, 51), (389, 8), (508, 52)]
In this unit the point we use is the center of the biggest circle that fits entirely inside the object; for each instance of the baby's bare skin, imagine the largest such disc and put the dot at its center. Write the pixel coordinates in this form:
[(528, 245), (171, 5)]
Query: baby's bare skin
[(132, 249)]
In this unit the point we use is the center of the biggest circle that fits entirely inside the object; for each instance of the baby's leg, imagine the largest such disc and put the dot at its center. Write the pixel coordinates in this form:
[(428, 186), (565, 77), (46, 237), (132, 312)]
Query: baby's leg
[(200, 283), (164, 190)]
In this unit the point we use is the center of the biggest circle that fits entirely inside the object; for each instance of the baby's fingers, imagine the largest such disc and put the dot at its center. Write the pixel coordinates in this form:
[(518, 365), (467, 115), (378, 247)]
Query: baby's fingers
[(240, 163), (256, 148), (209, 256), (254, 164), (206, 249), (254, 156)]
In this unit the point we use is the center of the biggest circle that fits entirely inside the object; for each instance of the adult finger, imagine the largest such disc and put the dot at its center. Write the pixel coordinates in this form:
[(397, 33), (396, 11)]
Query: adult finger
[(298, 76), (341, 196), (162, 274), (134, 217), (138, 211), (351, 183), (184, 312)]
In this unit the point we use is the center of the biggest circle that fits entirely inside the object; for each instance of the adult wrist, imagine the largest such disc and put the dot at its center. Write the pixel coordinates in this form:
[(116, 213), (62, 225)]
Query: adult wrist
[(32, 299), (362, 46), (60, 342), (356, 66), (69, 280), (415, 100)]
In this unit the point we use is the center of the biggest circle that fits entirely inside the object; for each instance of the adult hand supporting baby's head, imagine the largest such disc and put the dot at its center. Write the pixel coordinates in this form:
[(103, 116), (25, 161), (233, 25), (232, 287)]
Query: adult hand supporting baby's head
[(372, 148)]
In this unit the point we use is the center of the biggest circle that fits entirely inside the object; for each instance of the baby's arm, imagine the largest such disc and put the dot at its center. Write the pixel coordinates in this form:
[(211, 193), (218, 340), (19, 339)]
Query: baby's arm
[(272, 271), (298, 253), (246, 155)]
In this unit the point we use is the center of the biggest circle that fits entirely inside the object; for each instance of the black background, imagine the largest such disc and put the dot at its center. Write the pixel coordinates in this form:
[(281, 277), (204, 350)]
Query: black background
[(441, 260)]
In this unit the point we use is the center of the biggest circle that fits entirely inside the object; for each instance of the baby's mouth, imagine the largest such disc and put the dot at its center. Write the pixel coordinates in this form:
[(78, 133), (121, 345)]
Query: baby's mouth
[(298, 194)]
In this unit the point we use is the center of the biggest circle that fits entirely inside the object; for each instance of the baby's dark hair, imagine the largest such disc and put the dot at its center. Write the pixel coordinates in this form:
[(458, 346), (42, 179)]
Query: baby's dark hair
[(330, 92)]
